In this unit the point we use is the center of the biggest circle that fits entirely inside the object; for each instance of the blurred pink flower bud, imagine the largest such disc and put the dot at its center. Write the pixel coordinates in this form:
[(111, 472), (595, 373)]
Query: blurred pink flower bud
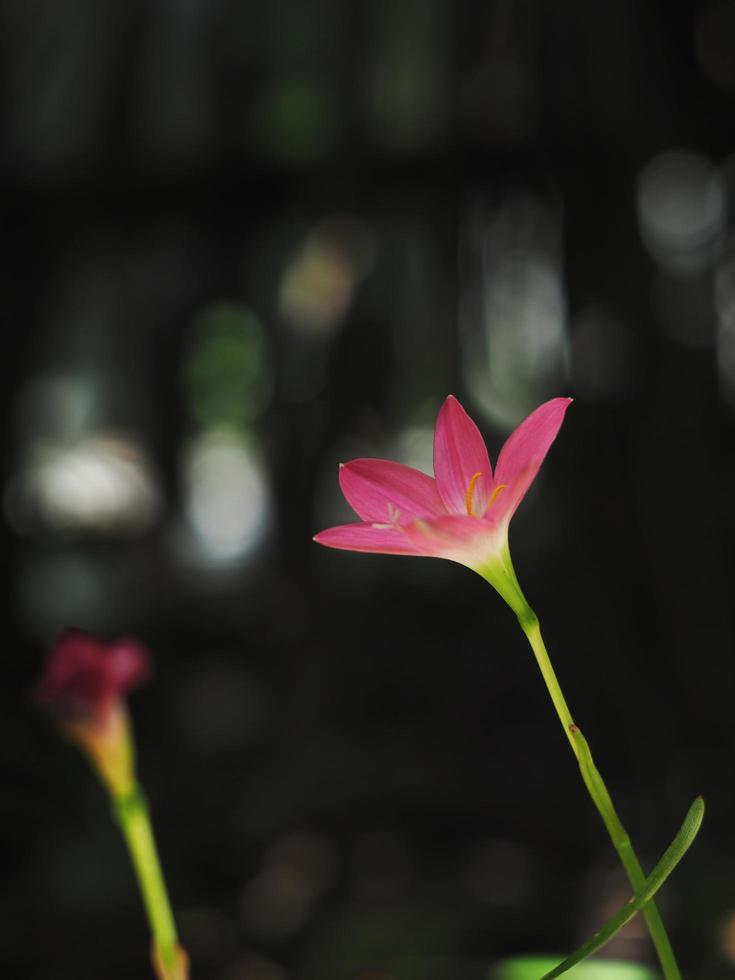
[(84, 686)]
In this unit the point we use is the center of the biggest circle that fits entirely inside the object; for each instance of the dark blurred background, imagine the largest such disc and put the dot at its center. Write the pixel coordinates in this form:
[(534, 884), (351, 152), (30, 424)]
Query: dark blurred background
[(245, 241)]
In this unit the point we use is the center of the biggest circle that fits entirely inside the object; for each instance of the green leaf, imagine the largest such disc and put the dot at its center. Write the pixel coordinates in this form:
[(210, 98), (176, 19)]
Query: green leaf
[(671, 857)]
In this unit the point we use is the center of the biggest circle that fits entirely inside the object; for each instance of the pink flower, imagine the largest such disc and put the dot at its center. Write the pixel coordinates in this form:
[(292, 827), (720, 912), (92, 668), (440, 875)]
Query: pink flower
[(83, 686), (464, 511), (84, 677)]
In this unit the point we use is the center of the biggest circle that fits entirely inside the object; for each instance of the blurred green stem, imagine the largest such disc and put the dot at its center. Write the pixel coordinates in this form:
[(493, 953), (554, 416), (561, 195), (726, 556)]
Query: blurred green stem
[(598, 791), (131, 811)]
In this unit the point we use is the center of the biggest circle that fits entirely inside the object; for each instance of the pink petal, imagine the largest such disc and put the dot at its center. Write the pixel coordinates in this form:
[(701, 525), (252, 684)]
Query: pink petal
[(385, 492), (469, 540), (459, 454), (129, 664), (367, 537), (84, 676), (522, 455)]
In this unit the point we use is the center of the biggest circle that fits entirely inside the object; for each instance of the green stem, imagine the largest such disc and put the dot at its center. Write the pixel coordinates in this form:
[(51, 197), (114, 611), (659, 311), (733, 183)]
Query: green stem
[(600, 795), (132, 815)]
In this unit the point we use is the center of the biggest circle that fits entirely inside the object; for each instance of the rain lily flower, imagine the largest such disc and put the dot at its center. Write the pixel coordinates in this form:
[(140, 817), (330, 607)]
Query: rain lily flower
[(83, 686), (463, 512)]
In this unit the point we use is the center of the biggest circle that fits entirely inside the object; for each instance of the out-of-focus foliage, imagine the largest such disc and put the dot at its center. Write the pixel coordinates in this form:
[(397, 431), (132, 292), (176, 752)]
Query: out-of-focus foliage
[(532, 967), (226, 372)]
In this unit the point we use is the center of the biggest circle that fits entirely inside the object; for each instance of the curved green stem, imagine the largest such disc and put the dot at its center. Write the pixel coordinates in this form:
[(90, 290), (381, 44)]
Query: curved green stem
[(131, 811), (599, 793)]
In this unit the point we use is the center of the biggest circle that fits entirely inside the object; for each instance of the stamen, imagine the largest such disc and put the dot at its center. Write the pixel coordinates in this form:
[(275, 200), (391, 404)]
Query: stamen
[(470, 491), (393, 515), (495, 494)]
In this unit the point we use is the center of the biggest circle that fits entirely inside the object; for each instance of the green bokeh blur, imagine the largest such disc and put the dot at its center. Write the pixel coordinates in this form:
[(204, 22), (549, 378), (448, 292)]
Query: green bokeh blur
[(534, 967)]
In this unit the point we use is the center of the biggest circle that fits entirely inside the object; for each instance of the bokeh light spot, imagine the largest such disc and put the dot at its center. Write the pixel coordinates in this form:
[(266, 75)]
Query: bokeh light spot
[(101, 483), (681, 209), (513, 307), (226, 374), (227, 497), (318, 284), (415, 447)]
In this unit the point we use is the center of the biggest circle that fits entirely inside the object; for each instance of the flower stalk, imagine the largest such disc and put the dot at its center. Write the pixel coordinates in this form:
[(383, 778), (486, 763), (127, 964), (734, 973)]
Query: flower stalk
[(599, 793), (131, 812)]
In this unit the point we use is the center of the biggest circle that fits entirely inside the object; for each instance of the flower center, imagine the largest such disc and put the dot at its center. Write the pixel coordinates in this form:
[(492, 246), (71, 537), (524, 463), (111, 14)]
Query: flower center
[(470, 494)]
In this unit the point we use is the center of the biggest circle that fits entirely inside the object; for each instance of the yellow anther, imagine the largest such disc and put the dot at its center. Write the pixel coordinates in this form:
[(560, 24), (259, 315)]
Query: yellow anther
[(496, 493), (470, 491)]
